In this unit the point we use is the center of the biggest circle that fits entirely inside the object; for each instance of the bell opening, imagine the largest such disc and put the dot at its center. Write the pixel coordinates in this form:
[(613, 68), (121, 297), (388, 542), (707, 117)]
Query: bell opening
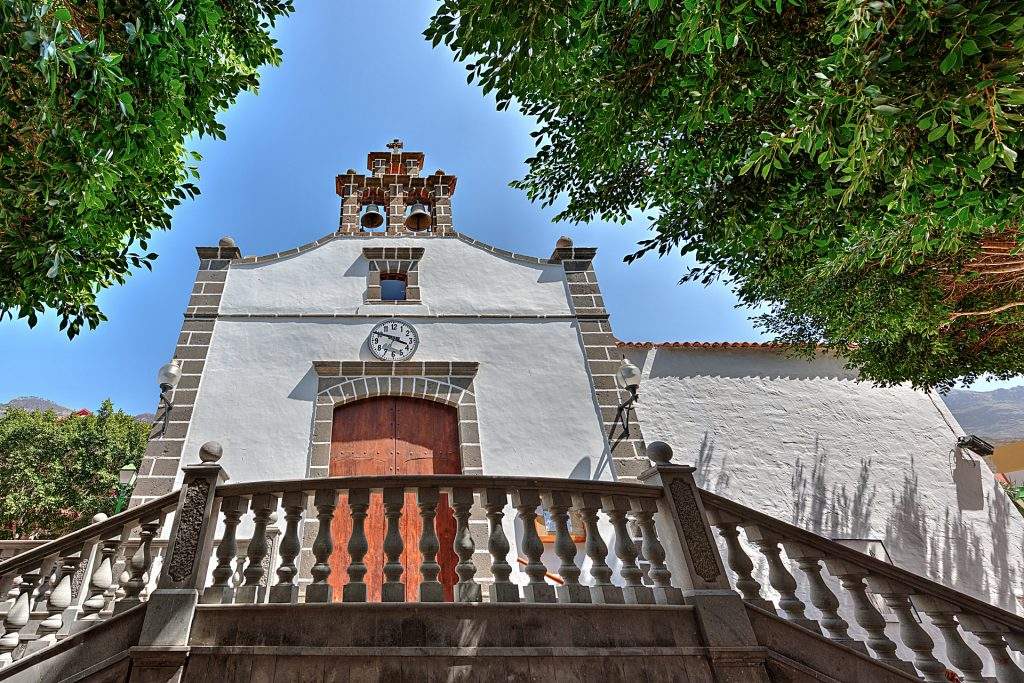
[(371, 219), (418, 218)]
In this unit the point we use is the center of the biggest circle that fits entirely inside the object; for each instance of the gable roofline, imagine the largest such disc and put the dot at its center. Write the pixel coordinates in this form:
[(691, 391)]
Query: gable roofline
[(235, 256)]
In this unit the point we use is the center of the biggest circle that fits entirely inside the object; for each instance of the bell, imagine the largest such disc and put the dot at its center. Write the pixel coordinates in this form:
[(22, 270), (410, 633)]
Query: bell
[(418, 218), (372, 217)]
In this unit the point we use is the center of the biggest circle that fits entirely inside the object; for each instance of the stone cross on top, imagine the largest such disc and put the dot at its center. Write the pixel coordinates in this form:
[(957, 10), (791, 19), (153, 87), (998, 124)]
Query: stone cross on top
[(395, 182)]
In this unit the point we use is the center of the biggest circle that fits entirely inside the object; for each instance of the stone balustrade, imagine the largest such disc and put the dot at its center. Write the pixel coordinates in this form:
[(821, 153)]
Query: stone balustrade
[(950, 614), (56, 588), (310, 541), (617, 520)]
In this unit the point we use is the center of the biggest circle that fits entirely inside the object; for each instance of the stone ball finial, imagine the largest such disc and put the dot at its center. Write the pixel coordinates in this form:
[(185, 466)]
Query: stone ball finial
[(99, 517), (438, 172), (210, 452), (659, 452), (227, 241), (351, 171), (272, 520), (564, 242)]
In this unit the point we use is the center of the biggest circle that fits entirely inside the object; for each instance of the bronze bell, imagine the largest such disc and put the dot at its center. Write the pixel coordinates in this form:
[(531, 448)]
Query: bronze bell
[(371, 218), (418, 218)]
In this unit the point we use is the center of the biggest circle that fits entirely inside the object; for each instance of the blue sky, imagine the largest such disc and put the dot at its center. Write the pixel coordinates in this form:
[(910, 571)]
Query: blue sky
[(355, 75)]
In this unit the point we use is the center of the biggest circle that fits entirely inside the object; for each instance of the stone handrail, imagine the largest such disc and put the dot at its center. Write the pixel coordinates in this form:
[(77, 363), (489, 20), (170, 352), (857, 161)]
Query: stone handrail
[(98, 529), (859, 575)]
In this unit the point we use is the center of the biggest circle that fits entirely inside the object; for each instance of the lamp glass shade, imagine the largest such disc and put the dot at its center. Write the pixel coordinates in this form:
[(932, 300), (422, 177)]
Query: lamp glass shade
[(126, 475), (169, 374), (628, 375)]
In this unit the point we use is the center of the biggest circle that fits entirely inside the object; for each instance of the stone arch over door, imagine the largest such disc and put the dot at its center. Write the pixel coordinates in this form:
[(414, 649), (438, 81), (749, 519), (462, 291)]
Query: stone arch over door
[(342, 382)]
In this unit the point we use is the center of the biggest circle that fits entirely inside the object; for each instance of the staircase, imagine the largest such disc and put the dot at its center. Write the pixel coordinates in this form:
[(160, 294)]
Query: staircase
[(631, 587)]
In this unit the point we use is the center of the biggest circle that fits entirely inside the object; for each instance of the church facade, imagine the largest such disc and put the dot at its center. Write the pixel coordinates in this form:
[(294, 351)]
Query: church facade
[(397, 345)]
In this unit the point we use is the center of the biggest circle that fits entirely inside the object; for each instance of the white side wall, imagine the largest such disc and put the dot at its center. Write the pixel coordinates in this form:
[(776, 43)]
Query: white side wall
[(807, 444)]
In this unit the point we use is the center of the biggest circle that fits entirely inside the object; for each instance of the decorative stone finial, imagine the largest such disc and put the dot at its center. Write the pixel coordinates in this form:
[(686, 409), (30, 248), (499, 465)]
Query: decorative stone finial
[(659, 452), (351, 171), (210, 452), (564, 242), (226, 241), (99, 517), (395, 145)]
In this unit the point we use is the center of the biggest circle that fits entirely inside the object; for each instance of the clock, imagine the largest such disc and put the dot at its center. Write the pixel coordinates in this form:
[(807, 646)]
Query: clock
[(393, 340)]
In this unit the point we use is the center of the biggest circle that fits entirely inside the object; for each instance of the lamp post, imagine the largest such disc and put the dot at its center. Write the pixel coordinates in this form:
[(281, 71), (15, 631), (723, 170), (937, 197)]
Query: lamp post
[(167, 377), (125, 481), (628, 378)]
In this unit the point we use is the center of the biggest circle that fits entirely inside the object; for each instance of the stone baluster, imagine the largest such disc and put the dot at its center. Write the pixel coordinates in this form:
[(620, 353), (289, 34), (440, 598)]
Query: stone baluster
[(9, 590), (822, 597), (737, 559), (393, 589), (355, 589), (913, 635), (99, 584), (1007, 637), (17, 618), (58, 601), (944, 617), (138, 566), (537, 590), (222, 592), (558, 503), (467, 589), (851, 578), (286, 590), (602, 592), (779, 577), (262, 506), (992, 640), (502, 590), (634, 592), (431, 589), (325, 500), (654, 551), (47, 578)]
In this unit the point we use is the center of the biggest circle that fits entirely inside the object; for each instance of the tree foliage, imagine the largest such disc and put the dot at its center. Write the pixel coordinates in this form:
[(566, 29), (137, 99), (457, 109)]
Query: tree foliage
[(849, 165), (58, 472), (96, 97)]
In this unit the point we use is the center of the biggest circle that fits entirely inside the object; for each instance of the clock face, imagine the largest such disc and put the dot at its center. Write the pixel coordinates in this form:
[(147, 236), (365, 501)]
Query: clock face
[(393, 340)]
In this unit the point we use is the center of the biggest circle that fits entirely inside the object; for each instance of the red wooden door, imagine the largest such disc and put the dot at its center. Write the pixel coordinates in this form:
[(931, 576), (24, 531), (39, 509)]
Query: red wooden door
[(394, 435)]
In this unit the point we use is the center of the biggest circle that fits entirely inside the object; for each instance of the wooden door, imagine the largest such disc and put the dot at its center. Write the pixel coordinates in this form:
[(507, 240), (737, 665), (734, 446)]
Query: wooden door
[(394, 435)]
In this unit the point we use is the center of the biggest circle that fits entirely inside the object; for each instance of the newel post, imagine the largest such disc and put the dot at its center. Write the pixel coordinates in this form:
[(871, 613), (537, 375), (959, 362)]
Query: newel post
[(163, 642), (692, 556)]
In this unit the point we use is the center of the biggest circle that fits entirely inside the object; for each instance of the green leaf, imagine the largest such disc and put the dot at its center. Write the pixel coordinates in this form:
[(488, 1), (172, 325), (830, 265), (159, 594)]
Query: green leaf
[(655, 5), (949, 61), (62, 15)]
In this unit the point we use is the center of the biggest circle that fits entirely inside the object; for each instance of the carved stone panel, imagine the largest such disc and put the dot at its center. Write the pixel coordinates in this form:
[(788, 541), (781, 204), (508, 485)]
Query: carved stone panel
[(190, 525), (702, 549)]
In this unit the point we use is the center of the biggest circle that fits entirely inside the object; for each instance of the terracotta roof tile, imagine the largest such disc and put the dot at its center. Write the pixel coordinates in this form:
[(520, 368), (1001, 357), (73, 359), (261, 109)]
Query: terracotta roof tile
[(701, 345)]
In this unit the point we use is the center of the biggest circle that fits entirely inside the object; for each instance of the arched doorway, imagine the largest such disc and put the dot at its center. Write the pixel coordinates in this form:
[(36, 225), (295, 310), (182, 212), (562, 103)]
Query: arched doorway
[(394, 435)]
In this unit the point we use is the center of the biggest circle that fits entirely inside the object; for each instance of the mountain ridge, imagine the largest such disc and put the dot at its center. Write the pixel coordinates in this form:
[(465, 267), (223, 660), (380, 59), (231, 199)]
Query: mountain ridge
[(996, 416)]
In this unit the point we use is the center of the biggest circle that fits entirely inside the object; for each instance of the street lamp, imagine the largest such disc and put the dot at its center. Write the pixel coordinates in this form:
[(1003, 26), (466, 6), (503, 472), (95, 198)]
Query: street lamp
[(628, 378), (167, 377), (125, 481)]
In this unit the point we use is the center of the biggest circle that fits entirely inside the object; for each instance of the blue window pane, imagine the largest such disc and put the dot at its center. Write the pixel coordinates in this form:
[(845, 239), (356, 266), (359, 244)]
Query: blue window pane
[(392, 290)]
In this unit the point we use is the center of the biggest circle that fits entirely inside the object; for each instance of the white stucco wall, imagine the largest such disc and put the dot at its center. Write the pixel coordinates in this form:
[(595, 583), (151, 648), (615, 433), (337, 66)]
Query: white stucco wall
[(456, 278), (806, 443)]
